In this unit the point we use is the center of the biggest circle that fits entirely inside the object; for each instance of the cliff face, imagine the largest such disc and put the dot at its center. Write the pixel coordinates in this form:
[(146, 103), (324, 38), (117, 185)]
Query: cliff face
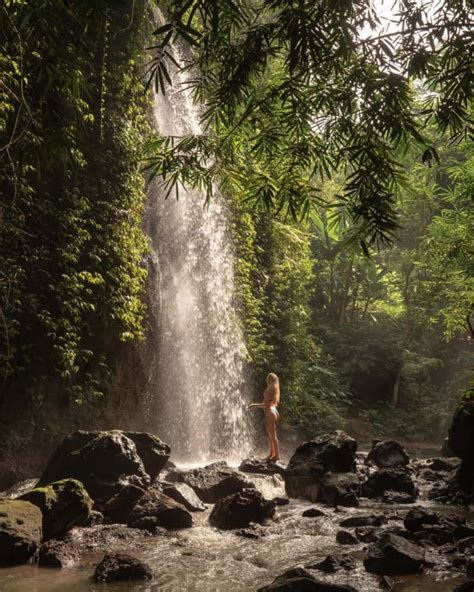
[(72, 195)]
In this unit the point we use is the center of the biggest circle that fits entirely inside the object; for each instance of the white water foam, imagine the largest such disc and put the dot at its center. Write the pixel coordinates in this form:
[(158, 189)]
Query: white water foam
[(200, 370)]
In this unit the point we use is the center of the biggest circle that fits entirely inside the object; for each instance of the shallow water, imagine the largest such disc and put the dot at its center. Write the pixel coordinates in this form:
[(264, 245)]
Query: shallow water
[(205, 559)]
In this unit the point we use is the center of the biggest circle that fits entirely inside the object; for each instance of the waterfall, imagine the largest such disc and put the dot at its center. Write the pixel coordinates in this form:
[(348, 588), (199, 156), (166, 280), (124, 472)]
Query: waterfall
[(199, 371)]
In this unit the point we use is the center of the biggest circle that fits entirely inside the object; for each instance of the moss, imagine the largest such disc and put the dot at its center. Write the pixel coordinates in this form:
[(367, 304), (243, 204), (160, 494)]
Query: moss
[(20, 519), (63, 503)]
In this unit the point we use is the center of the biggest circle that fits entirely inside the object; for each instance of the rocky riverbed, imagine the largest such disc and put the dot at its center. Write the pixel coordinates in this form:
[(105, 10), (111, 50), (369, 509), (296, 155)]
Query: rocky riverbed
[(332, 520)]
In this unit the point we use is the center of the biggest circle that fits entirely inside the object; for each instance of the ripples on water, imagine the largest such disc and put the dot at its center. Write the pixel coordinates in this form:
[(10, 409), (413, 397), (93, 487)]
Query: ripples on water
[(205, 559)]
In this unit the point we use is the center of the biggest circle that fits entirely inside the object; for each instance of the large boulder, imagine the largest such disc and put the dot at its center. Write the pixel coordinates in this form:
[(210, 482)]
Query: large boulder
[(105, 461), (364, 520), (63, 504), (389, 480), (57, 554), (388, 454), (334, 563), (168, 513), (263, 467), (20, 531), (121, 568), (116, 509), (443, 465), (461, 442), (461, 432), (152, 451), (398, 498), (8, 477), (240, 509), (334, 452), (394, 555), (344, 537), (211, 483), (299, 579), (417, 518), (340, 489), (185, 495)]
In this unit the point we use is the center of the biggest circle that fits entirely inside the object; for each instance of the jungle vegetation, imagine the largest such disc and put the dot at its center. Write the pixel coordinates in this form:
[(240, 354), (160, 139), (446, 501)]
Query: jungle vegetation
[(344, 150)]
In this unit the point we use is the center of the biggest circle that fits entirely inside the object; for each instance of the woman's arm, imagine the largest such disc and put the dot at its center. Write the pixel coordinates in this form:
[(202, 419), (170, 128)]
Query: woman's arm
[(256, 405)]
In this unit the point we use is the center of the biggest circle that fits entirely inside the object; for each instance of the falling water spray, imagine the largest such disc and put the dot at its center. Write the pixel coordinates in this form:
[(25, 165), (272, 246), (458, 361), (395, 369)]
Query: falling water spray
[(199, 374)]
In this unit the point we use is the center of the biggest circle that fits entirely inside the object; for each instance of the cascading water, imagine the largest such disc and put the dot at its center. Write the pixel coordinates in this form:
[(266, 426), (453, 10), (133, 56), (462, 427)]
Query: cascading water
[(199, 372)]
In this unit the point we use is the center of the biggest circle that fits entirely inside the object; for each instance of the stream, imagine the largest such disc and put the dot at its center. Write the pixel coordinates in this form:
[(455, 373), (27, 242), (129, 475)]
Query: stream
[(204, 558)]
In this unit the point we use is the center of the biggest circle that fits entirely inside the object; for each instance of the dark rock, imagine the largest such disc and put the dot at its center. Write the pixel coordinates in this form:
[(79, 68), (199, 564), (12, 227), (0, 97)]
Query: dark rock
[(458, 561), (281, 501), (8, 477), (211, 483), (398, 497), (20, 488), (333, 563), (465, 545), (453, 490), (344, 537), (117, 509), (169, 466), (240, 509), (184, 495), (418, 517), (58, 554), (20, 531), (153, 452), (218, 464), (429, 475), (64, 504), (461, 442), (333, 452), (369, 520), (461, 432), (388, 454), (107, 538), (394, 555), (463, 531), (105, 461), (435, 534), (389, 480), (264, 467), (340, 489), (445, 449), (443, 464), (151, 524), (470, 567), (299, 579), (169, 514), (254, 531), (465, 587), (367, 534), (313, 513), (120, 568), (95, 518)]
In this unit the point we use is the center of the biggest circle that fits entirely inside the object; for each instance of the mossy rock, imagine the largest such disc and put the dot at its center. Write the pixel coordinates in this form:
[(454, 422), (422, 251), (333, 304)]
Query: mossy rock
[(20, 531), (105, 461), (64, 504)]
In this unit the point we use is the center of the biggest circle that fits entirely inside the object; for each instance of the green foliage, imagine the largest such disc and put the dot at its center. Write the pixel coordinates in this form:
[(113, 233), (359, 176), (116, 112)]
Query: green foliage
[(72, 116), (298, 91), (368, 343)]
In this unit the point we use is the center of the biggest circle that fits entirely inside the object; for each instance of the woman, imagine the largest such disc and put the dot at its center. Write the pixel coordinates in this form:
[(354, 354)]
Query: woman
[(271, 398)]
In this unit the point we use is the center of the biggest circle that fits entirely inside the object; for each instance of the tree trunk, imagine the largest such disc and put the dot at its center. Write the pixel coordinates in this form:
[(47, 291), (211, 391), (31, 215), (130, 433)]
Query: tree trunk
[(396, 388)]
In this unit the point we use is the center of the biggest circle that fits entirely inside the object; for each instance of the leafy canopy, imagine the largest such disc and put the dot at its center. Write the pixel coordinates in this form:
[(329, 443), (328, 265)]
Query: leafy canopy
[(295, 90)]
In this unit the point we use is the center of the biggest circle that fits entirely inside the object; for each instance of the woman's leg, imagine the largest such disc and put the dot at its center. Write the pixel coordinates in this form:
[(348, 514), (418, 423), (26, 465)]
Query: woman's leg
[(274, 437), (269, 420)]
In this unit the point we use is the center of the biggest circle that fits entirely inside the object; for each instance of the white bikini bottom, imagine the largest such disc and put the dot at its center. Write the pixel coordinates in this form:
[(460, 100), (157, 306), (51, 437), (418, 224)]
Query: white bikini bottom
[(274, 410)]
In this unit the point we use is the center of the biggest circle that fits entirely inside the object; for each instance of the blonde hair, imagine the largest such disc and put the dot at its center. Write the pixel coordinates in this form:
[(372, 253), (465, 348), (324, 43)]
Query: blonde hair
[(273, 387)]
